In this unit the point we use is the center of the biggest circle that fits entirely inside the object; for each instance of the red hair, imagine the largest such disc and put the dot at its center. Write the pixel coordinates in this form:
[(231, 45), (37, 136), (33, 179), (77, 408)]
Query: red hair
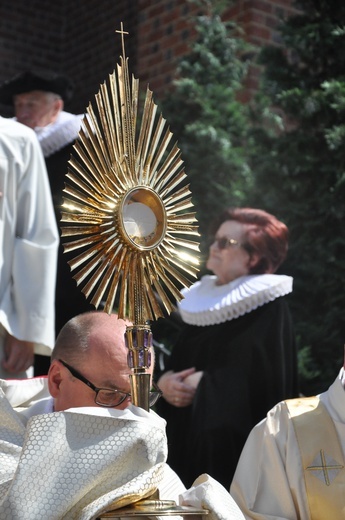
[(265, 236)]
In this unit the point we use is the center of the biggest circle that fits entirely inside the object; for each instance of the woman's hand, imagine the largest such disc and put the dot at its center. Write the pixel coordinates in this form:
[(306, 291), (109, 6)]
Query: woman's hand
[(194, 379), (176, 390)]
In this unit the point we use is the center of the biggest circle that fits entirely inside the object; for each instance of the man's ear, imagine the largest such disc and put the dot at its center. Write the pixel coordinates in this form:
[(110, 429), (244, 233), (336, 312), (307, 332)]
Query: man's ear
[(54, 378), (57, 107)]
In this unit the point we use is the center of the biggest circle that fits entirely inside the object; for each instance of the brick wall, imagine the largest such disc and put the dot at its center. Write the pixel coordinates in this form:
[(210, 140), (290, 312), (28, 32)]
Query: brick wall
[(259, 20), (24, 38), (91, 46), (78, 38), (165, 31)]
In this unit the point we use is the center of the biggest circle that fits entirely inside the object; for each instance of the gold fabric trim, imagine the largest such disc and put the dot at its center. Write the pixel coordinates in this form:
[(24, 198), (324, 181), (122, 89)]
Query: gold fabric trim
[(322, 458)]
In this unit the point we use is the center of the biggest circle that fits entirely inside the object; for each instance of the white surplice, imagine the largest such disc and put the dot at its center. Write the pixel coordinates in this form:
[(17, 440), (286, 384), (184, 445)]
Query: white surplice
[(28, 239), (269, 480)]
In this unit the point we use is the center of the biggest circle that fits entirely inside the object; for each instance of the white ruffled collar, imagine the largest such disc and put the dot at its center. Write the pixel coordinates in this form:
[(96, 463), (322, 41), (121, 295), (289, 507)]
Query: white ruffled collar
[(57, 135), (206, 303)]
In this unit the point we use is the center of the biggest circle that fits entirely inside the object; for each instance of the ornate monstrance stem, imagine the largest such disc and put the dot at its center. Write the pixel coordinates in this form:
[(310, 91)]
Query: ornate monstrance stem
[(127, 214)]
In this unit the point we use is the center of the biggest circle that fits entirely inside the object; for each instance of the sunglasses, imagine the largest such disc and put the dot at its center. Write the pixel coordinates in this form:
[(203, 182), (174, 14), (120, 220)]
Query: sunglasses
[(224, 242)]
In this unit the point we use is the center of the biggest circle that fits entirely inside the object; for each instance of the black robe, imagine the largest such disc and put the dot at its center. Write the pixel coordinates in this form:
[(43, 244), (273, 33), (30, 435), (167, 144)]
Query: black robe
[(69, 299), (249, 364)]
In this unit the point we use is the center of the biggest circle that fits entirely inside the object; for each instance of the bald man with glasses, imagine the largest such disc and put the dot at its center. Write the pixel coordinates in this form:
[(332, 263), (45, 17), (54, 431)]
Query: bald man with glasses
[(72, 444), (84, 351), (70, 447)]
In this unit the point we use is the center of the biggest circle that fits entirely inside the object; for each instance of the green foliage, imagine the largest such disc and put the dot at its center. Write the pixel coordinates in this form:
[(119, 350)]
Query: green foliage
[(298, 153), (208, 121)]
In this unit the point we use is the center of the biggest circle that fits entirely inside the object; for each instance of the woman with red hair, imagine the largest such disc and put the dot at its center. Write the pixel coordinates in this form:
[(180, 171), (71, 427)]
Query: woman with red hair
[(236, 356)]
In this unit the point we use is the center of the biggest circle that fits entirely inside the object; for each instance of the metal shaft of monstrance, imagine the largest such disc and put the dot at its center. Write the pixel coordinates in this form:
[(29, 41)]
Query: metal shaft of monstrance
[(139, 343)]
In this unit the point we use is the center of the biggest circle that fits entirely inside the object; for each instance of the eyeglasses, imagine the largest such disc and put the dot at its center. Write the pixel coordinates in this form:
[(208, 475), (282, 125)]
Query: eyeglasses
[(108, 397), (224, 242)]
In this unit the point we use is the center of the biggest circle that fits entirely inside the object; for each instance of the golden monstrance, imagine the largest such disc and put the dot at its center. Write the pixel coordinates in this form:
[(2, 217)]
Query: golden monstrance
[(127, 216)]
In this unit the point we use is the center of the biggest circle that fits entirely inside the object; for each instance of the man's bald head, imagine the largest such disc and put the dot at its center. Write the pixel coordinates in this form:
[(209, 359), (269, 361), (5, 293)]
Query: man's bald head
[(86, 332), (92, 343)]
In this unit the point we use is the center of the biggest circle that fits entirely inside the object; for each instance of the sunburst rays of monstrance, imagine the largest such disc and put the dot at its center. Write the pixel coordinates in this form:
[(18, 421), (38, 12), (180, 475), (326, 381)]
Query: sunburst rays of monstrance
[(127, 215)]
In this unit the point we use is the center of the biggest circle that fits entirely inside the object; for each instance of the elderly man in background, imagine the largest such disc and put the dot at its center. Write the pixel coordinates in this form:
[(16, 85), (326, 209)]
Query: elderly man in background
[(28, 241), (38, 98)]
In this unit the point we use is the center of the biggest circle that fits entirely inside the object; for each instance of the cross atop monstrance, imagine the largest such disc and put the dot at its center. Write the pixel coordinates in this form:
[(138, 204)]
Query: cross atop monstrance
[(122, 32)]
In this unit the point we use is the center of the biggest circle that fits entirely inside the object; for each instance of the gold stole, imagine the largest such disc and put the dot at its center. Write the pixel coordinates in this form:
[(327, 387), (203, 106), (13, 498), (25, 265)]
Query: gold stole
[(322, 458)]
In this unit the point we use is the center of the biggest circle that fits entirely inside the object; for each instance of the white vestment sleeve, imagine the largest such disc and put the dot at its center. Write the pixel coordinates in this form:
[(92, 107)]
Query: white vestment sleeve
[(268, 482), (209, 494), (29, 232)]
